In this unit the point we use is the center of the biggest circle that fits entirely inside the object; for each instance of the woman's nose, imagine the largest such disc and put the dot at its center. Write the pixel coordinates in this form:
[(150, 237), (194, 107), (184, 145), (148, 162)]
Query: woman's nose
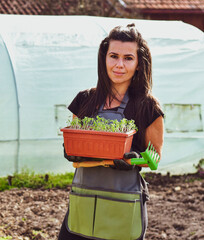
[(120, 63)]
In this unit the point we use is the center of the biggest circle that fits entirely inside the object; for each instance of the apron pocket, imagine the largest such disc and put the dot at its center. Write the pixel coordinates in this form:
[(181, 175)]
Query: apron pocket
[(117, 219), (81, 213)]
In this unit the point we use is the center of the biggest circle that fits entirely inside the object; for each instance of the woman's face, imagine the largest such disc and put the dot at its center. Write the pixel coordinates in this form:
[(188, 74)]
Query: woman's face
[(121, 62)]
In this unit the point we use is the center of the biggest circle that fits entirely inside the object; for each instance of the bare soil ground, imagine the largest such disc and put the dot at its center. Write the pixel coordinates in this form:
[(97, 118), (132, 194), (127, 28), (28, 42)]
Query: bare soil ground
[(175, 210)]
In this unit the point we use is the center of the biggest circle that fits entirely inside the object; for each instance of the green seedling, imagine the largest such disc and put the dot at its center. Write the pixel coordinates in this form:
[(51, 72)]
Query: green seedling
[(75, 123), (102, 124), (149, 157)]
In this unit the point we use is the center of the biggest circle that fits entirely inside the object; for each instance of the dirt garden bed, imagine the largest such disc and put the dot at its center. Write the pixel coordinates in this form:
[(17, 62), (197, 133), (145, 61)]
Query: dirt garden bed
[(175, 210)]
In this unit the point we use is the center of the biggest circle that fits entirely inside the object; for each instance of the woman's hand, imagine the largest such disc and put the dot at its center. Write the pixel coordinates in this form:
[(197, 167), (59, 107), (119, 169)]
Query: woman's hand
[(121, 164), (74, 158)]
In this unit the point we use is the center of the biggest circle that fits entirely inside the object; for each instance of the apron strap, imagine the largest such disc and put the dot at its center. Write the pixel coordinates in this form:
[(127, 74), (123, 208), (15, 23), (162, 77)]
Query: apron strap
[(122, 106)]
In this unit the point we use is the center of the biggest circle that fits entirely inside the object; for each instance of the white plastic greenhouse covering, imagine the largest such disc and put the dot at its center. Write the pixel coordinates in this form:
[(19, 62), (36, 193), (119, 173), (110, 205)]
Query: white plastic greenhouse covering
[(46, 60)]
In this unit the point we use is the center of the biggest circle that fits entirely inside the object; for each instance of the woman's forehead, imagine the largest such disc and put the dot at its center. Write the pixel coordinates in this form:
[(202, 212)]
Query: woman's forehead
[(120, 47)]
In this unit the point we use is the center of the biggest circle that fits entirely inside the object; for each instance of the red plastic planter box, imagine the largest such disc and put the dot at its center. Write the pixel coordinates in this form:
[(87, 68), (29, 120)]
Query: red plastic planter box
[(96, 144)]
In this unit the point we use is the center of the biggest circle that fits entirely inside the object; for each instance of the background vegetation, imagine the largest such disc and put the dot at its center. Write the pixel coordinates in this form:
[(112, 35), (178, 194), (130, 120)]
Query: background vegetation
[(28, 179)]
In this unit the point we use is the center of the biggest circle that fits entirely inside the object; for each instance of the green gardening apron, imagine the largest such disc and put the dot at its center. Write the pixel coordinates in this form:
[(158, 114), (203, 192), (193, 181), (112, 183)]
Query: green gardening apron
[(106, 203)]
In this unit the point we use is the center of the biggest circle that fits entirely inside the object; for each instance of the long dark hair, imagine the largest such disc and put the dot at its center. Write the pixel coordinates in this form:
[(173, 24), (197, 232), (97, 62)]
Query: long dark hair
[(140, 89)]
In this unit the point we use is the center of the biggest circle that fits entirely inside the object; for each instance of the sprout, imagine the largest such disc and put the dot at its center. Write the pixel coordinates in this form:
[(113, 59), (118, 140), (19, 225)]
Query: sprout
[(102, 124)]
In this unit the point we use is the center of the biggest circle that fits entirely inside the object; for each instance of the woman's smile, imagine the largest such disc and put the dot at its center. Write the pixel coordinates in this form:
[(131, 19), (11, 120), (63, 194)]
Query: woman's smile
[(118, 73)]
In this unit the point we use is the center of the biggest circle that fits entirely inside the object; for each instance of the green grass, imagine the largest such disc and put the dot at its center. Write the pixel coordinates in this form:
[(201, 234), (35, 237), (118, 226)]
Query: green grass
[(28, 179)]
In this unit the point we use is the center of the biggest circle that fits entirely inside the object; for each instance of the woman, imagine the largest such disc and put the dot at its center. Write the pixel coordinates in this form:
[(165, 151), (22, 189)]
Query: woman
[(110, 203)]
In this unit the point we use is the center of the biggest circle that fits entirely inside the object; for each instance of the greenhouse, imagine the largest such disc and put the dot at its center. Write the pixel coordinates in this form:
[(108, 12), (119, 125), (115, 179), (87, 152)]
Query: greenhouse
[(46, 60)]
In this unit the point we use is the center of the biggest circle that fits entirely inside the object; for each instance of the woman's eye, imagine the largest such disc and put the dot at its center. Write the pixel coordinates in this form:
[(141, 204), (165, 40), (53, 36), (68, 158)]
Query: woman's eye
[(114, 56), (128, 58)]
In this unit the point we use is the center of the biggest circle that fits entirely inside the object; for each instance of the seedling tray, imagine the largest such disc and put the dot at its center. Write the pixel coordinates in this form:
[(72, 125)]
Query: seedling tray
[(96, 144)]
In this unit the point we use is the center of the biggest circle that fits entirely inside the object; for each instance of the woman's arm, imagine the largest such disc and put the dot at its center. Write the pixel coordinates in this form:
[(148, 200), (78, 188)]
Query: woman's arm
[(155, 134)]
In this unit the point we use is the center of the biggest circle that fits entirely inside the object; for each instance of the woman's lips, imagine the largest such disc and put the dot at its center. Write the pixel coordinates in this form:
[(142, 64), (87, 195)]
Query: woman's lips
[(118, 73)]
